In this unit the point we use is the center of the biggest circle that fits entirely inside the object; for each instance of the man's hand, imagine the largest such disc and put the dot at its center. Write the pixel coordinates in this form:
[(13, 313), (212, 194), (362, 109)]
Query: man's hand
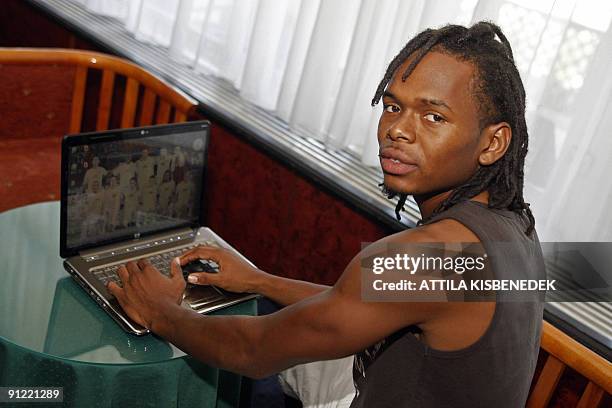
[(146, 293), (234, 274)]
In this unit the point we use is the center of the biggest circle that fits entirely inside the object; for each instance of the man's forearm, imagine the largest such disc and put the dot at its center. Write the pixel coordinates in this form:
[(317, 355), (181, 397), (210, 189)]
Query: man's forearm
[(220, 341), (286, 291), (254, 346)]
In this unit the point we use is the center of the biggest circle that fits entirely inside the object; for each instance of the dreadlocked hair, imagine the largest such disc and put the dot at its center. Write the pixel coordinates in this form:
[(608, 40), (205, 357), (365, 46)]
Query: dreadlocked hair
[(499, 91)]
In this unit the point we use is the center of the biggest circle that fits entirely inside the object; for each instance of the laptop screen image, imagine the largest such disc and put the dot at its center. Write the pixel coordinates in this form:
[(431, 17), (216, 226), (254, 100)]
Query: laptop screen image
[(132, 183)]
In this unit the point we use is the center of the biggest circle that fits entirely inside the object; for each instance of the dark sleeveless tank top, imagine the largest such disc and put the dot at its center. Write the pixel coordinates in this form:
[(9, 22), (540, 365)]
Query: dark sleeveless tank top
[(497, 369)]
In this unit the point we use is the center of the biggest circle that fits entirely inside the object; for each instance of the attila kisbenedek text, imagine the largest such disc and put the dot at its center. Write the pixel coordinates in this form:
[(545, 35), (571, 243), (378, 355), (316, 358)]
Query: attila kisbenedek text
[(459, 264)]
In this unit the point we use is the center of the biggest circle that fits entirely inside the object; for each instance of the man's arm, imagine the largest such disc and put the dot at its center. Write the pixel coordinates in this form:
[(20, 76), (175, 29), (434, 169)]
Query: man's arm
[(285, 291), (332, 324)]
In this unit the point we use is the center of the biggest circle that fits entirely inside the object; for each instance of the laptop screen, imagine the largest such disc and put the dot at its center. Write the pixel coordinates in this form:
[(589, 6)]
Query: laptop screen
[(121, 184)]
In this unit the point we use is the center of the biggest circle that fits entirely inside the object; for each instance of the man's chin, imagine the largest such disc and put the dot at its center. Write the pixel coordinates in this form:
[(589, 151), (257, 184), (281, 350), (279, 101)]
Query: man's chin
[(391, 191)]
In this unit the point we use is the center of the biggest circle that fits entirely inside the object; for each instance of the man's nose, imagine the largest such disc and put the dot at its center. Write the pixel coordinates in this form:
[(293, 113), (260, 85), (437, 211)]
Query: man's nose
[(402, 131)]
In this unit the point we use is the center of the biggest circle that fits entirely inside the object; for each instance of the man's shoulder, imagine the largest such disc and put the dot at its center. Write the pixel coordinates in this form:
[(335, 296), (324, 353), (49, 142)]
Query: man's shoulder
[(445, 230)]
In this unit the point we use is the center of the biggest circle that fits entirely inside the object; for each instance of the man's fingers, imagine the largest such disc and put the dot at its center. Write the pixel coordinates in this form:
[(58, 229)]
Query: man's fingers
[(132, 267), (188, 257), (143, 263), (175, 269), (202, 278), (135, 275), (120, 296), (115, 290), (123, 274), (200, 252)]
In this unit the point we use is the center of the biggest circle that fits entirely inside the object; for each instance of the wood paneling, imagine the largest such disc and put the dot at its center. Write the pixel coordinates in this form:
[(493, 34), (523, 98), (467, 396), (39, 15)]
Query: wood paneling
[(282, 222)]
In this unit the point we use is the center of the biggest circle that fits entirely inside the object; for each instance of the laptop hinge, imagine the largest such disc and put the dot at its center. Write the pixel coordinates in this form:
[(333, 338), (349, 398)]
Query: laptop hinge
[(138, 244)]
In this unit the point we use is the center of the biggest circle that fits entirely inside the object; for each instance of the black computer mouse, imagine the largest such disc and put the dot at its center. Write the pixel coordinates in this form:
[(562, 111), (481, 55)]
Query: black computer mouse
[(200, 265)]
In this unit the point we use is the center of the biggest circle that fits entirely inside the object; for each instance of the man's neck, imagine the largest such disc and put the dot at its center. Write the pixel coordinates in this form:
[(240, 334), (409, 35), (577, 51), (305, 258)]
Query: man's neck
[(428, 203)]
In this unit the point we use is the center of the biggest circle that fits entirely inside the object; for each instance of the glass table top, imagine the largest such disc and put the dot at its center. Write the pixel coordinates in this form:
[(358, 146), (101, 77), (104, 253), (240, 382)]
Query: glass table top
[(44, 310)]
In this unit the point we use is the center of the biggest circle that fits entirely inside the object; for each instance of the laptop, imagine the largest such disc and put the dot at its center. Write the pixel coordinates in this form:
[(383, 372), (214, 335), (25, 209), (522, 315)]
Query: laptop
[(137, 193)]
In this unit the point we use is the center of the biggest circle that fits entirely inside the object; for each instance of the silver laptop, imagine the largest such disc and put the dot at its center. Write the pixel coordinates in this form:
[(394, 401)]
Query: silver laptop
[(137, 193)]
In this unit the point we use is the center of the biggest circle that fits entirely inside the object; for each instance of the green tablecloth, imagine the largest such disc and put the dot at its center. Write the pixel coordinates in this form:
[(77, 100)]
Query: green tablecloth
[(52, 334)]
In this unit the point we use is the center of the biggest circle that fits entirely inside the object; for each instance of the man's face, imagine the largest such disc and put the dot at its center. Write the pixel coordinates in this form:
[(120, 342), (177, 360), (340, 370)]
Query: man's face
[(429, 130)]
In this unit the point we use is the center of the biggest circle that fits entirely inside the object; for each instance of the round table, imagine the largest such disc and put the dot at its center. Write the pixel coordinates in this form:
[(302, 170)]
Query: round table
[(53, 335)]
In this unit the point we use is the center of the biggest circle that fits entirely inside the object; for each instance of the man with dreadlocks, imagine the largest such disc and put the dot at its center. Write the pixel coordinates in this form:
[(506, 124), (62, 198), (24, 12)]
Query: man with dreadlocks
[(452, 134)]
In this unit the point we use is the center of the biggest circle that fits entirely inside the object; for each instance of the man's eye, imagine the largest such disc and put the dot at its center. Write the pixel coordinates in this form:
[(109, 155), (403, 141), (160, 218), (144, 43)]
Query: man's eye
[(432, 117), (391, 108)]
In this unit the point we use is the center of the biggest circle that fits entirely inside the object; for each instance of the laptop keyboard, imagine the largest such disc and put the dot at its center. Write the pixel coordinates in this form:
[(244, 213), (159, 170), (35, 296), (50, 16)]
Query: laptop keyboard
[(161, 261)]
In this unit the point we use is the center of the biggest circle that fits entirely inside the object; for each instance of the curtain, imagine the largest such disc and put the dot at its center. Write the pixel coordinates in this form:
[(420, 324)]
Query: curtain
[(315, 64)]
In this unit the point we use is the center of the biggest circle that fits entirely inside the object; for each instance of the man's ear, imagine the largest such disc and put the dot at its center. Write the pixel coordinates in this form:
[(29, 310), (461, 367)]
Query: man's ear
[(495, 141)]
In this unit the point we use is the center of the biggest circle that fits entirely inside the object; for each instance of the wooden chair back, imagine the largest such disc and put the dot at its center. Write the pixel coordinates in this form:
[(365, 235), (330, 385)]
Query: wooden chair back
[(563, 351), (158, 102)]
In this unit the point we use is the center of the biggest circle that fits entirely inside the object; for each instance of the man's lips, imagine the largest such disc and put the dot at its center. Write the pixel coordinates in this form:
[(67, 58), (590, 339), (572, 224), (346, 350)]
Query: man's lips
[(396, 162)]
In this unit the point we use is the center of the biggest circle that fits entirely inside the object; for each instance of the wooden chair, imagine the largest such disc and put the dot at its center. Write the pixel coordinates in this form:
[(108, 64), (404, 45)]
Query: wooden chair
[(158, 102), (566, 352)]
